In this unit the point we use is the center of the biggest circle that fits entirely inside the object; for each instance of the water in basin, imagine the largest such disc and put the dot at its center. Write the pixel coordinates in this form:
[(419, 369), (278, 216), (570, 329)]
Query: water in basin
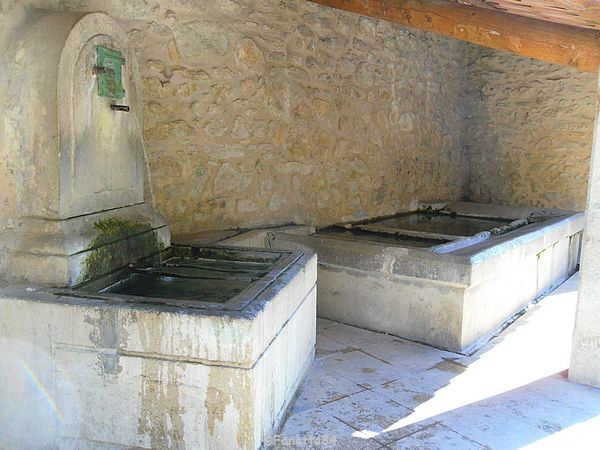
[(441, 223), (204, 279), (192, 276), (381, 238)]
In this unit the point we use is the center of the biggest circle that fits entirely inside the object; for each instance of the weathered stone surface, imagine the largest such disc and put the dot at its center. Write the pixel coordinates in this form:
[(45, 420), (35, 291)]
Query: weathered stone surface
[(249, 127), (529, 131), (159, 29), (215, 128), (277, 201), (155, 65), (218, 152), (194, 39), (153, 88), (136, 37), (406, 122), (248, 56), (229, 179), (246, 206), (173, 51), (171, 130), (170, 167), (411, 290), (180, 379), (190, 74), (76, 170)]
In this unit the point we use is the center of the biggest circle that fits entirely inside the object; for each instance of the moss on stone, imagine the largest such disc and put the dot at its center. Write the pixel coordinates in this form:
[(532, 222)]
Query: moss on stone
[(118, 242), (116, 229)]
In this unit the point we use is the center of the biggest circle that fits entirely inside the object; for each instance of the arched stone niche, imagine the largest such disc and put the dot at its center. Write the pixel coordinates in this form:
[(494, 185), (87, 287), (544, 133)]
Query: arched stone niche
[(101, 150), (80, 168)]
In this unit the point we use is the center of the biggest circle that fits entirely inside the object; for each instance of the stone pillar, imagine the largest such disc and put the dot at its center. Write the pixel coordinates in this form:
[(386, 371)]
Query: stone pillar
[(585, 355)]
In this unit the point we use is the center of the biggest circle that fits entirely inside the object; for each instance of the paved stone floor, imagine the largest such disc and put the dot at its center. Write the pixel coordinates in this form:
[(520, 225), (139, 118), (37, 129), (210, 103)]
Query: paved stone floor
[(368, 390)]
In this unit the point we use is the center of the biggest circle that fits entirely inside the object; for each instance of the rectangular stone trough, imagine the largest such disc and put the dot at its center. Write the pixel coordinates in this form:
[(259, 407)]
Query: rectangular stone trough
[(448, 274), (143, 358)]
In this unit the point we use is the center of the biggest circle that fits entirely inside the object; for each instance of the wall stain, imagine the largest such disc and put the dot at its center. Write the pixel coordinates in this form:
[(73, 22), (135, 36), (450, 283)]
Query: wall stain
[(106, 335), (160, 410)]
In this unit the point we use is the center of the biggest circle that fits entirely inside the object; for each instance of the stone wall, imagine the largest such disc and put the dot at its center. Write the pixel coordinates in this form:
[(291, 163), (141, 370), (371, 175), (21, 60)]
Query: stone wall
[(528, 131), (263, 112)]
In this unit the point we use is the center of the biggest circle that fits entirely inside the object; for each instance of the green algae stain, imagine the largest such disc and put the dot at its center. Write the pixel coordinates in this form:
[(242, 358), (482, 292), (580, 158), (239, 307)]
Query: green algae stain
[(116, 229), (118, 242)]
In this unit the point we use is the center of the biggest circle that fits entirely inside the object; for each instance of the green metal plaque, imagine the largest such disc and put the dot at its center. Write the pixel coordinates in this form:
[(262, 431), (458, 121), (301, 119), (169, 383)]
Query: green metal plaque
[(109, 69)]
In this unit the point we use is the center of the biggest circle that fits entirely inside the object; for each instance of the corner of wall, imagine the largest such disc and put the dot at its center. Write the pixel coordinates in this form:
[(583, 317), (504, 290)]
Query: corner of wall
[(528, 130)]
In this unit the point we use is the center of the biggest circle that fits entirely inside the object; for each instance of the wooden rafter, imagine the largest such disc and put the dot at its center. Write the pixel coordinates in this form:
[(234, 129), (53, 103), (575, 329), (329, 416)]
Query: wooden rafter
[(551, 42), (578, 13)]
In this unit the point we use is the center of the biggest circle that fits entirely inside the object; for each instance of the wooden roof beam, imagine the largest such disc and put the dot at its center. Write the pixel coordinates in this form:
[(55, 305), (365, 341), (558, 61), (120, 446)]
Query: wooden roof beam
[(546, 41)]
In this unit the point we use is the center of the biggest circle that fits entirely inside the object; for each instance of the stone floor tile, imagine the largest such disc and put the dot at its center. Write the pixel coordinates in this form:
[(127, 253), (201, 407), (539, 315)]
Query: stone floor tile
[(492, 427), (412, 391), (581, 436), (408, 355), (534, 409), (435, 437), (323, 385), (567, 394), (318, 423), (375, 415), (362, 369), (355, 337), (326, 347), (324, 323)]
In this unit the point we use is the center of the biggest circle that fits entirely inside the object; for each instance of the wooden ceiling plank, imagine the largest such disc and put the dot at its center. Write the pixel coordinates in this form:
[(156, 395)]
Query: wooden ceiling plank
[(581, 13), (546, 41)]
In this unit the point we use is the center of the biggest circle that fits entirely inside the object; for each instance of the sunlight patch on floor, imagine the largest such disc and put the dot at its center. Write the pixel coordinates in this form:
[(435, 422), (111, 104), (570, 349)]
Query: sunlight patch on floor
[(531, 349)]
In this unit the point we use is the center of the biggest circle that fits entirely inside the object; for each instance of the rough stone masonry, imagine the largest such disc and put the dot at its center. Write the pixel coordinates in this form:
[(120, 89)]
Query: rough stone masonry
[(275, 111)]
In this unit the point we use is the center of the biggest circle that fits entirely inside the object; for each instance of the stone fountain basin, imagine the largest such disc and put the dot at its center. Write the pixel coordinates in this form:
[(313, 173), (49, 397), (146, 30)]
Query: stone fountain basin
[(217, 277), (449, 274), (213, 371)]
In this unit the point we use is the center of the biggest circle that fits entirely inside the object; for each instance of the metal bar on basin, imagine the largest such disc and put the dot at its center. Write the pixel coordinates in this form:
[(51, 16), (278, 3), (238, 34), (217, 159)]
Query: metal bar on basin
[(214, 269), (166, 273), (511, 226), (410, 233)]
